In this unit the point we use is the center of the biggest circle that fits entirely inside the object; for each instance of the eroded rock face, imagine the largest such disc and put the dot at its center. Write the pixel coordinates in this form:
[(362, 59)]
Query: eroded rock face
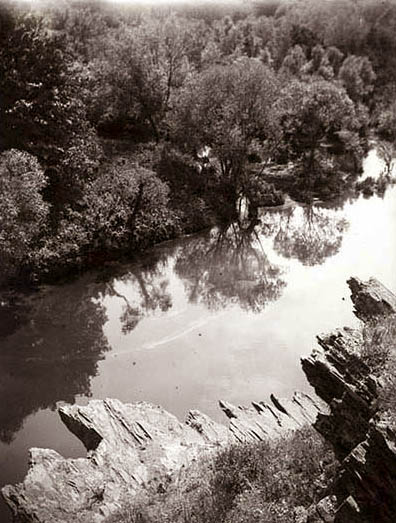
[(132, 447), (344, 382), (366, 488), (371, 299)]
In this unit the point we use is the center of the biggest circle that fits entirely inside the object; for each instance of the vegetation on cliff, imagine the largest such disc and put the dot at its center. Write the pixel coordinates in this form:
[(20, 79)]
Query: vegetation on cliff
[(257, 482)]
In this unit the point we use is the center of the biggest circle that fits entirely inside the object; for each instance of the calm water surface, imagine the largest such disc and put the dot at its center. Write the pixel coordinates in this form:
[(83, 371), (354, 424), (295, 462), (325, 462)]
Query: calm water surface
[(226, 314)]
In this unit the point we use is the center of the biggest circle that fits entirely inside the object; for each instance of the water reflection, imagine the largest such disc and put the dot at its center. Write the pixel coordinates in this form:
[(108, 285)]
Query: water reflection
[(48, 352), (51, 341), (309, 234), (150, 293), (229, 265)]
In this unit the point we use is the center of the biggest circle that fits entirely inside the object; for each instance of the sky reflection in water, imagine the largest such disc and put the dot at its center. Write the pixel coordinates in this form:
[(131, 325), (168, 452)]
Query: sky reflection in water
[(226, 314)]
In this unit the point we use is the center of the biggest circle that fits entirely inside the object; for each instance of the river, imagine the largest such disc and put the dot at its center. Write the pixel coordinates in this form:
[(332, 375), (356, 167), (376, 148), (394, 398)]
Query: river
[(224, 314)]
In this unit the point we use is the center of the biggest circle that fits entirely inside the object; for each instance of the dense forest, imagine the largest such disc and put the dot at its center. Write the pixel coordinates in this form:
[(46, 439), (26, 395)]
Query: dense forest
[(122, 127)]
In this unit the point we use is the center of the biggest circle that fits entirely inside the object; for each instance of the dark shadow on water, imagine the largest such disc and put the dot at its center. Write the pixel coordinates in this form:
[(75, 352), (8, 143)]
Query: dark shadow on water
[(48, 352), (51, 340)]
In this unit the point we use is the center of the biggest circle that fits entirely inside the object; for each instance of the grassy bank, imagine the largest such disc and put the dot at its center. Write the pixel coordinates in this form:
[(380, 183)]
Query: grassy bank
[(247, 483)]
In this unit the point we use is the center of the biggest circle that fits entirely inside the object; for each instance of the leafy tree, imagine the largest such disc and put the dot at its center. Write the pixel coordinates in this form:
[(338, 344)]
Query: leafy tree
[(83, 27), (124, 208), (140, 70), (23, 213), (294, 62), (126, 205), (232, 119), (313, 116), (40, 109), (357, 76), (386, 123), (380, 45)]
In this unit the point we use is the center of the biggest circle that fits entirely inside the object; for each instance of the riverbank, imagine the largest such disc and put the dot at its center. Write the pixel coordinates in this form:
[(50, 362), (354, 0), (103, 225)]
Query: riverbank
[(140, 448), (77, 249)]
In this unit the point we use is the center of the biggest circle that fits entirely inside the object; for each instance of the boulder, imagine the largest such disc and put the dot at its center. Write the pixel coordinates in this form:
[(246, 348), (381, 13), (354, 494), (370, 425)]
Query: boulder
[(371, 299)]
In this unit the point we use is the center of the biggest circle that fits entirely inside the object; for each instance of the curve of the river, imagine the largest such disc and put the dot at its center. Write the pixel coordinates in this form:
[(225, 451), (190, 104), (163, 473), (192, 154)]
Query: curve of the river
[(225, 314)]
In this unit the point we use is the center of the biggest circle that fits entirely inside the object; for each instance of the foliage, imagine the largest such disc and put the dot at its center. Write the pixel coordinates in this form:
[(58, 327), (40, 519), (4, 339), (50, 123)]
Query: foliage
[(125, 207), (379, 354), (193, 189), (233, 121), (273, 81), (262, 194), (386, 123), (312, 117), (40, 109), (23, 212), (245, 483), (357, 76), (379, 343)]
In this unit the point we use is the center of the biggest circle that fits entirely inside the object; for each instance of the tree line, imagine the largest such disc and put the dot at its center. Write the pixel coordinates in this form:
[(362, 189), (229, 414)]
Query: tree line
[(123, 127)]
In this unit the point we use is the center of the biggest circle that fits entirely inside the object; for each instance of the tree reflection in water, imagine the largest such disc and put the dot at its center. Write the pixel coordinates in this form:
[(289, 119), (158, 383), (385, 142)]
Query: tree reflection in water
[(150, 292), (309, 234), (50, 353), (51, 341), (229, 266)]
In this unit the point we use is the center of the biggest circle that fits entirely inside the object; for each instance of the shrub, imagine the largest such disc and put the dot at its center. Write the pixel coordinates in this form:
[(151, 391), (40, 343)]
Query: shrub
[(263, 194), (379, 354), (23, 212)]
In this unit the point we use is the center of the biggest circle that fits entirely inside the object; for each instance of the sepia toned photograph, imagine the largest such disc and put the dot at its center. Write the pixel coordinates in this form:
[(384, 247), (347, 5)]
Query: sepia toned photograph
[(197, 261)]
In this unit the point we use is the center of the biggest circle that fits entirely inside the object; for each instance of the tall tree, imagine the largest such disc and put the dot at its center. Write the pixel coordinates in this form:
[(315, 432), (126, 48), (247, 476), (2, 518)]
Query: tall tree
[(226, 109), (40, 109), (313, 116)]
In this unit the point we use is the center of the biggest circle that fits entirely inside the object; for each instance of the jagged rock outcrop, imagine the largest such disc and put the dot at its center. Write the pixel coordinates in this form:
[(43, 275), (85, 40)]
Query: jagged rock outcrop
[(140, 446), (371, 299), (133, 447), (365, 490), (262, 420)]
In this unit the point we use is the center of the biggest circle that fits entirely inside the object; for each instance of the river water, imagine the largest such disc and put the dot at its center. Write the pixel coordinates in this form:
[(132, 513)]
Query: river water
[(225, 314)]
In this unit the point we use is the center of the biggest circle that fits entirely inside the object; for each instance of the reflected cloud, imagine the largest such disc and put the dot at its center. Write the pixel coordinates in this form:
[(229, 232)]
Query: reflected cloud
[(229, 266)]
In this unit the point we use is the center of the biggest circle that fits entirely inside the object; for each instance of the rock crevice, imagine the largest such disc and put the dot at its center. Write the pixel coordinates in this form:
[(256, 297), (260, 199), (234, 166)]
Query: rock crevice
[(365, 490)]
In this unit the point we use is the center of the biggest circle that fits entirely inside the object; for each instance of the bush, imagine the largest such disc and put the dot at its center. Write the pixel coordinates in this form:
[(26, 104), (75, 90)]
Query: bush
[(23, 212), (386, 123), (127, 205), (379, 354), (263, 194), (124, 208), (192, 189)]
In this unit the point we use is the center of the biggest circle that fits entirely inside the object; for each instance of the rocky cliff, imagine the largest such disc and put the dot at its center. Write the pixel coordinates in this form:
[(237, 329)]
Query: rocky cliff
[(135, 446), (131, 447), (362, 440)]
